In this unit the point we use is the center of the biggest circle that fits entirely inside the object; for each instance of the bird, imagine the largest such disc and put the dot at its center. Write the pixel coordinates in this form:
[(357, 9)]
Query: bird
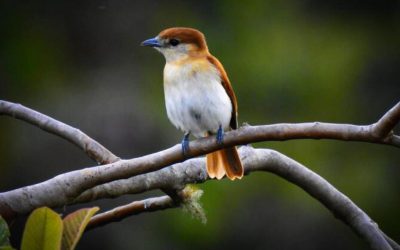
[(199, 97)]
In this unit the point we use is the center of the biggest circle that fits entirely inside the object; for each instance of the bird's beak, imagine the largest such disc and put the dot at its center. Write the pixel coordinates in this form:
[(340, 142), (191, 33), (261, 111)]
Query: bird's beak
[(152, 42)]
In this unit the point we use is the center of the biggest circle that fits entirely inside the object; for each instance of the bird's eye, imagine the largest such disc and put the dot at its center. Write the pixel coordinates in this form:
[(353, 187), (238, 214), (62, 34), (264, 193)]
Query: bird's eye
[(173, 42)]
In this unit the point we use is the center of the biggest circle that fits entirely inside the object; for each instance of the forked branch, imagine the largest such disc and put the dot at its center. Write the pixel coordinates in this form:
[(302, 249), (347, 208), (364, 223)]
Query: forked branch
[(120, 177), (194, 171)]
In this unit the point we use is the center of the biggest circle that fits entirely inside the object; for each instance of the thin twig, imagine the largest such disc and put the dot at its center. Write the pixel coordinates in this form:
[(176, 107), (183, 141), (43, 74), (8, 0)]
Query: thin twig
[(387, 122), (136, 207), (91, 147)]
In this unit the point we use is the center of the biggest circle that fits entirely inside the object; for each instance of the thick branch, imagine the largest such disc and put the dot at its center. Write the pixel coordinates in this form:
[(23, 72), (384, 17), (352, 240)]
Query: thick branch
[(375, 133), (174, 177), (194, 171), (339, 204), (91, 147), (64, 188)]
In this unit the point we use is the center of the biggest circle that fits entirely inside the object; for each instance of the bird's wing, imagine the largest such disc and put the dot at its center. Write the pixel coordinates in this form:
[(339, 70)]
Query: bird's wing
[(228, 88)]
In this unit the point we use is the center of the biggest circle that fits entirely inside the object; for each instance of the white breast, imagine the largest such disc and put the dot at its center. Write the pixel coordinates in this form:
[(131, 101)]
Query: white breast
[(195, 99)]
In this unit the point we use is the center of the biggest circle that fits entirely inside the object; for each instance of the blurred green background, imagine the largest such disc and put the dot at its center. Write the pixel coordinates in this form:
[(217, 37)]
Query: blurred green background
[(289, 61)]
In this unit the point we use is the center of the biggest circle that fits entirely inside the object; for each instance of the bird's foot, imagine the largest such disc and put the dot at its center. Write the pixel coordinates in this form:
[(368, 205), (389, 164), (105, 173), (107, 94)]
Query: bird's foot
[(220, 135), (185, 144)]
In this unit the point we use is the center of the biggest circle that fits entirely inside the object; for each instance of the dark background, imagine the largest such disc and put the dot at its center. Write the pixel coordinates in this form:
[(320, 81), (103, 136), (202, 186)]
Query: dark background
[(289, 61)]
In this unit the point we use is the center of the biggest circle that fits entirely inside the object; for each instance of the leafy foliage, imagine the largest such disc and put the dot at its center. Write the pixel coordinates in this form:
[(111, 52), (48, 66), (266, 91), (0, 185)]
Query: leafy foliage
[(46, 230), (43, 230), (4, 235), (74, 225)]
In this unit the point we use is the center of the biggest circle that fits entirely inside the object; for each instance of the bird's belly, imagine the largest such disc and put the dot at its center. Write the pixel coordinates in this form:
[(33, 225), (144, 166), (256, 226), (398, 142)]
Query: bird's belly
[(197, 106)]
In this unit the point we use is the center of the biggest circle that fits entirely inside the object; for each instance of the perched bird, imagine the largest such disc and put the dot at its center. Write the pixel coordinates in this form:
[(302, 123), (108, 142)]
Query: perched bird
[(198, 95)]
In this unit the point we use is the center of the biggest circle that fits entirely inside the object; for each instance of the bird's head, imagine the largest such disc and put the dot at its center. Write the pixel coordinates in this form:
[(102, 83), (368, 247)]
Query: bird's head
[(178, 43)]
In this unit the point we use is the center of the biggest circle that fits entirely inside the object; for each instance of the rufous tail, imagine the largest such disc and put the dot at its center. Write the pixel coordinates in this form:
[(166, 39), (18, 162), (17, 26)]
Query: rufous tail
[(224, 161)]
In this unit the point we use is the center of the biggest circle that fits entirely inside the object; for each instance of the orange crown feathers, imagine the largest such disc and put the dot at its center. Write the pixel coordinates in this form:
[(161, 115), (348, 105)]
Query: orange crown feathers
[(185, 35)]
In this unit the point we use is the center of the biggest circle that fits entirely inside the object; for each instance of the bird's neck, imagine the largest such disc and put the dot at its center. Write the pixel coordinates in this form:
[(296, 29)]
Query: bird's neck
[(189, 56), (188, 68)]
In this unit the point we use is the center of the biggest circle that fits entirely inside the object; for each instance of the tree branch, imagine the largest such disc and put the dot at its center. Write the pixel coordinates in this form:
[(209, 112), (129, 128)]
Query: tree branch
[(66, 187), (174, 177), (133, 208), (194, 171), (392, 243), (91, 147), (388, 121), (80, 185)]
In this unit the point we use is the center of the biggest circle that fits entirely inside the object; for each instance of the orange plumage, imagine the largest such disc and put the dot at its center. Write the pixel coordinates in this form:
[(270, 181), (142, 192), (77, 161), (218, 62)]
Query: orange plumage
[(199, 97)]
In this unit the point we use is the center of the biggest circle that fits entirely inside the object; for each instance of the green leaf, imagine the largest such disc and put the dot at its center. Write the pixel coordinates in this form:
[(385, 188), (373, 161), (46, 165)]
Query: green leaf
[(43, 230), (4, 235), (74, 225)]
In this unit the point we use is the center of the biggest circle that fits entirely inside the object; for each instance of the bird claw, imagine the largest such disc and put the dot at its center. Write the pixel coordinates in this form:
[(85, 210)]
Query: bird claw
[(185, 144), (220, 135)]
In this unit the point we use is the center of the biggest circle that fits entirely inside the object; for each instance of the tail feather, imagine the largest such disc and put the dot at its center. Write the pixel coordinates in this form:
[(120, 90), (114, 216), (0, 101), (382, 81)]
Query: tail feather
[(233, 165), (215, 165), (224, 161)]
